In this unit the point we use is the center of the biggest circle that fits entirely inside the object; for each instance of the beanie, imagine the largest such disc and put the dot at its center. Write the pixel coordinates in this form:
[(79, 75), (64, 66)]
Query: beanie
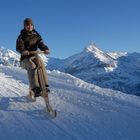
[(28, 21)]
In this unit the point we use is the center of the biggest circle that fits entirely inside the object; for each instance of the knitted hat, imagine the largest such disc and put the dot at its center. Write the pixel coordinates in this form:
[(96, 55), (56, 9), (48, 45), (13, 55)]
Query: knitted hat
[(28, 21)]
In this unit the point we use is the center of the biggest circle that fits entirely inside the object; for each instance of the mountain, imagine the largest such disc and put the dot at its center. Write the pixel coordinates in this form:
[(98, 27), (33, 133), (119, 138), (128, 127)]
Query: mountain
[(85, 111), (8, 57), (119, 71), (90, 58)]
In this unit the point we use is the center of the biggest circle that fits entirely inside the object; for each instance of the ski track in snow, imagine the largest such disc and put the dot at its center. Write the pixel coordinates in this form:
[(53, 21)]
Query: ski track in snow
[(85, 111)]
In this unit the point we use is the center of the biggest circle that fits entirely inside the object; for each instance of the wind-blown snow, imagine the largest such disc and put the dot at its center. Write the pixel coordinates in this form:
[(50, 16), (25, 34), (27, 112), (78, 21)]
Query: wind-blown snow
[(85, 111)]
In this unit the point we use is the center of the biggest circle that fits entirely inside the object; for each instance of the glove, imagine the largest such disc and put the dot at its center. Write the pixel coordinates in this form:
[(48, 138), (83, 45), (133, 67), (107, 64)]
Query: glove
[(46, 51), (24, 53)]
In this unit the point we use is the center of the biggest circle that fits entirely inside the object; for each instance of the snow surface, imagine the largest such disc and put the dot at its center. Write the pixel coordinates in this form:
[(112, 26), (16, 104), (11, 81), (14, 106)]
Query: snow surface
[(85, 111)]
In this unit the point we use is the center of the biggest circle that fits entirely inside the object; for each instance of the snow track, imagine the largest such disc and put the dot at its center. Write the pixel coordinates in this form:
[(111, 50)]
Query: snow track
[(85, 111)]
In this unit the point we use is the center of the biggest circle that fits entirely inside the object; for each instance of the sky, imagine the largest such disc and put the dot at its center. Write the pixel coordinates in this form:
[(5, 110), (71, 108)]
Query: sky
[(68, 26)]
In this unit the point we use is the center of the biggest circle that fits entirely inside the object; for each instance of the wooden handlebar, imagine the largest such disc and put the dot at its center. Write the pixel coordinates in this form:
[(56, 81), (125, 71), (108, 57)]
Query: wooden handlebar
[(36, 52)]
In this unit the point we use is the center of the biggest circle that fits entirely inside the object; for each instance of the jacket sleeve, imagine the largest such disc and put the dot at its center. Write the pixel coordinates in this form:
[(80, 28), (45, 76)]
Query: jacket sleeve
[(41, 44), (20, 45)]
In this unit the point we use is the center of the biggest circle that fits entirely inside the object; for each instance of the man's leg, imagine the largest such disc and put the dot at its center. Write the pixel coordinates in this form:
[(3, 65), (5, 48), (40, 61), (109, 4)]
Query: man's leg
[(32, 75)]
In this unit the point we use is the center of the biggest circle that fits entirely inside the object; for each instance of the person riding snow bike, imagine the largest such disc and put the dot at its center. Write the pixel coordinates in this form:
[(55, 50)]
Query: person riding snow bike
[(30, 40)]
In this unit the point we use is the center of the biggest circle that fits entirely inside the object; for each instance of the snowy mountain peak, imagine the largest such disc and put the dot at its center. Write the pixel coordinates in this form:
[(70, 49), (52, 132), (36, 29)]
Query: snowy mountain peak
[(8, 57), (7, 52), (99, 54), (92, 48), (96, 52)]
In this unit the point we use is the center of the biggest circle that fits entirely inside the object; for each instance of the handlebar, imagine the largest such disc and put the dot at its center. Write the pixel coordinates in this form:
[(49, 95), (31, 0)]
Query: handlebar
[(36, 52)]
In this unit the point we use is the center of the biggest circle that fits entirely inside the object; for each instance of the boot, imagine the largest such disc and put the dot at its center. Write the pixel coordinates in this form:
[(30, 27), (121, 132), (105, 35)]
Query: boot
[(37, 91)]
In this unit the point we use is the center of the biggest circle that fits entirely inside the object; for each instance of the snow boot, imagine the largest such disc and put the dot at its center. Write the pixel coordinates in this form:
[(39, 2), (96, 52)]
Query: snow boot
[(37, 91)]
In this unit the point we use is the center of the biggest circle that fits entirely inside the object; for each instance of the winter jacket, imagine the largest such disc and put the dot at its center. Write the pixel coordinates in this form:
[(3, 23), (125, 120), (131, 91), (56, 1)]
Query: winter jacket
[(30, 41)]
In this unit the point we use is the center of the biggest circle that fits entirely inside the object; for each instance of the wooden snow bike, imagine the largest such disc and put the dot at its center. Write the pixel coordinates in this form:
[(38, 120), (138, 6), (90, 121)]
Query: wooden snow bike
[(41, 79)]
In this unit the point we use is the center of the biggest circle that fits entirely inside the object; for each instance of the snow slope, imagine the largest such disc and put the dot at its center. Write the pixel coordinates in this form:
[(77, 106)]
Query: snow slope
[(85, 111)]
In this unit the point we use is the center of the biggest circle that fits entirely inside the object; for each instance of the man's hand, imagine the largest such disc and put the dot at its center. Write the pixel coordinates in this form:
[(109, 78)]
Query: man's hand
[(24, 53), (46, 51)]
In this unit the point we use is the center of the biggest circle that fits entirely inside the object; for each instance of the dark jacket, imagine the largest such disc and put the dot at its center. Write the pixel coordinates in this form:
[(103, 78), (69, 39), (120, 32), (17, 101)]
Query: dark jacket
[(30, 41)]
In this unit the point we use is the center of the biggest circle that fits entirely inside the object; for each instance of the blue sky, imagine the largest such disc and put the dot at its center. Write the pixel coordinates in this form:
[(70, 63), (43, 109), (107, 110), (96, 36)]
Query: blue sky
[(68, 26)]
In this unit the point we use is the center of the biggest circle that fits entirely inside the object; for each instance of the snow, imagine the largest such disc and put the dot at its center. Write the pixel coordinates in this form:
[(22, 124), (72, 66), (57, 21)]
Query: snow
[(8, 57), (85, 111), (116, 55)]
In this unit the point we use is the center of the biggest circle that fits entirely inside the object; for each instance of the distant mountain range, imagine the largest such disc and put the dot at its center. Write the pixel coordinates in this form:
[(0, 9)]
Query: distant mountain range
[(119, 71)]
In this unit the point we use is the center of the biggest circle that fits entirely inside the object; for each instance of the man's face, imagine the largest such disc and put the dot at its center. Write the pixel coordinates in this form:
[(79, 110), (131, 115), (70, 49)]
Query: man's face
[(29, 27)]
